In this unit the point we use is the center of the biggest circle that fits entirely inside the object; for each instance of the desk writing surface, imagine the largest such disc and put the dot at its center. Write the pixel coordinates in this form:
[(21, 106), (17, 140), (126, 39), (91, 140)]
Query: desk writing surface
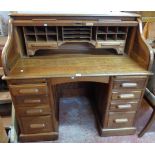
[(66, 65)]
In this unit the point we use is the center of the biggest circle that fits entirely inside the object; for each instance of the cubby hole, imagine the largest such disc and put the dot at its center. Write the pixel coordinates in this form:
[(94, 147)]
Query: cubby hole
[(121, 36), (41, 37), (60, 34), (122, 29), (102, 29), (30, 37), (29, 29), (112, 29), (51, 29), (52, 38), (101, 37), (40, 29), (111, 37)]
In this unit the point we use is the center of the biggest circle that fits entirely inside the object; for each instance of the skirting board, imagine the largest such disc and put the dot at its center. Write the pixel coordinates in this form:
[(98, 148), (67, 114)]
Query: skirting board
[(38, 137)]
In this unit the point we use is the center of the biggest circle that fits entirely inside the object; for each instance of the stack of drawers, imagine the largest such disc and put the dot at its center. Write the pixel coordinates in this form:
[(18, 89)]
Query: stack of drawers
[(125, 98), (33, 109)]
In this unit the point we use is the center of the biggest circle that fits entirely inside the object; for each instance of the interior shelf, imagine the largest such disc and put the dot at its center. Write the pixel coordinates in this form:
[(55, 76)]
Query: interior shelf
[(76, 32)]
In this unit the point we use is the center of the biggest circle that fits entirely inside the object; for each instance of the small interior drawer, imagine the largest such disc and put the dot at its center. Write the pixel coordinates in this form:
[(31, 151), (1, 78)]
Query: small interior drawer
[(42, 45), (120, 119), (129, 84), (41, 124), (28, 89), (120, 105), (126, 95), (31, 100), (33, 111)]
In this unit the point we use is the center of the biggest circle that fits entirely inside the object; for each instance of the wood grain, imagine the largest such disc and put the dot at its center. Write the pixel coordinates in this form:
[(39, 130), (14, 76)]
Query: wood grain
[(72, 64)]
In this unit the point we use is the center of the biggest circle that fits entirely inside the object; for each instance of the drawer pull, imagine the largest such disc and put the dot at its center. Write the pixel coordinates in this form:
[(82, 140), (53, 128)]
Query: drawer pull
[(36, 111), (121, 120), (32, 101), (126, 96), (28, 91), (38, 46), (127, 106), (37, 126), (129, 85)]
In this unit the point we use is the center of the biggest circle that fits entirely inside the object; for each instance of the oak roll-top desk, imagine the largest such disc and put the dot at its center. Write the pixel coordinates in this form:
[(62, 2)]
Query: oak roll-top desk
[(48, 55)]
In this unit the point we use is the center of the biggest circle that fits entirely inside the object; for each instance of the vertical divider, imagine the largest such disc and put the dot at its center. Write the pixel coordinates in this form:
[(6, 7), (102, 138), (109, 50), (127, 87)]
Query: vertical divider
[(46, 33), (24, 33), (96, 33)]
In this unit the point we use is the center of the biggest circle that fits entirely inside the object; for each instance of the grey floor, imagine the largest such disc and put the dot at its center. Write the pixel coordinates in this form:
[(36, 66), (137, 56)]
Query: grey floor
[(77, 124)]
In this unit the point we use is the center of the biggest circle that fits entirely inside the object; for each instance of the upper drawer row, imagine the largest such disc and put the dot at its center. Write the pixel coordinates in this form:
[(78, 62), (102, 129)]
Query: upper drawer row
[(28, 89), (138, 83)]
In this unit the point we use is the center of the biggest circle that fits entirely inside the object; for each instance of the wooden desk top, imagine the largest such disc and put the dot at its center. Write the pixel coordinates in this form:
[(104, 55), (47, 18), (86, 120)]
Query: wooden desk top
[(72, 64)]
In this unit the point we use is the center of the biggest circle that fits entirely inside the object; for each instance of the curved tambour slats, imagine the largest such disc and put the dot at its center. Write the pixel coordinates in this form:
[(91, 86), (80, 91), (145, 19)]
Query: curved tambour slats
[(10, 51), (141, 52)]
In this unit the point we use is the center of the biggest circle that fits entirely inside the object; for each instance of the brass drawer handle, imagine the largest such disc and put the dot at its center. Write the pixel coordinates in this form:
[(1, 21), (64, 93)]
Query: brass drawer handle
[(37, 126), (121, 120), (32, 101), (34, 111), (126, 106), (126, 96), (129, 85), (28, 91)]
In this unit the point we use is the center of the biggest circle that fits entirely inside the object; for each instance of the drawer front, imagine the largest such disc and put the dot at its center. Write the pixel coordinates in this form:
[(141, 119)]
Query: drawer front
[(129, 84), (124, 105), (120, 120), (46, 45), (125, 95), (33, 111), (28, 89), (31, 125), (31, 100)]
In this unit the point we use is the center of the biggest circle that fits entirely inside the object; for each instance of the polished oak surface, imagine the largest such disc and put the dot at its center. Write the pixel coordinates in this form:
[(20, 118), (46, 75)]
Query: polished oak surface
[(75, 64)]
